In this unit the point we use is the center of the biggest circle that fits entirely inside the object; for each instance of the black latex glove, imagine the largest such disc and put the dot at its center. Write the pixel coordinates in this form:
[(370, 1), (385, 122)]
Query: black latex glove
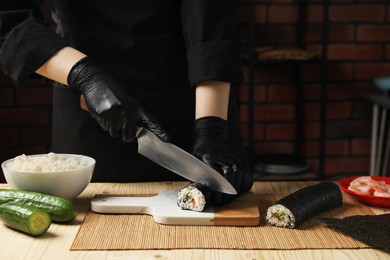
[(116, 113), (210, 146)]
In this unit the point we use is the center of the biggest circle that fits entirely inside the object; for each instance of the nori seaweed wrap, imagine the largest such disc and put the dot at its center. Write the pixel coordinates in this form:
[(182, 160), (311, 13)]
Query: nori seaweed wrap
[(303, 204), (373, 230)]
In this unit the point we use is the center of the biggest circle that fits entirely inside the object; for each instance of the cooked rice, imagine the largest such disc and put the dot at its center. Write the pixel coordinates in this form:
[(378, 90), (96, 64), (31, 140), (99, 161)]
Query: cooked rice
[(50, 162), (280, 216), (191, 198)]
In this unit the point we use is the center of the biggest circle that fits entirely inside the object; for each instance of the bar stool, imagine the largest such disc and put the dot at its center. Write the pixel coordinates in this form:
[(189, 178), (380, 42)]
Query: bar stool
[(380, 138)]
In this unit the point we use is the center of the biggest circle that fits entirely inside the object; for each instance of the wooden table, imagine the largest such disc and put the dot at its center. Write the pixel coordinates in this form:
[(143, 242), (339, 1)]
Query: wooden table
[(56, 243)]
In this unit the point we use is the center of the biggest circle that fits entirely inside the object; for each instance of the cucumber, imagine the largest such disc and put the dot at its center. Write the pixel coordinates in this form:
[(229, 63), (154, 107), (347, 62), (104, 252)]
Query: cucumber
[(61, 210), (25, 218)]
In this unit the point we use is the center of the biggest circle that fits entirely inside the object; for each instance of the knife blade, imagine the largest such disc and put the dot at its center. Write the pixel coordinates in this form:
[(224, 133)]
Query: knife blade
[(180, 162)]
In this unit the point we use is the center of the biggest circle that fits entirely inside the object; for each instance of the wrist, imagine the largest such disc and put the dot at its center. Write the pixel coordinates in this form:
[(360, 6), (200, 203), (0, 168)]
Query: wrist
[(80, 71), (57, 67), (212, 98)]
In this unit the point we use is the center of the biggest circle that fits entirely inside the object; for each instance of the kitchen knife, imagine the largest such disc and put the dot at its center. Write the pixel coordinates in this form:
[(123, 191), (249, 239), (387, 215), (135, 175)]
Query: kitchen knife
[(180, 162)]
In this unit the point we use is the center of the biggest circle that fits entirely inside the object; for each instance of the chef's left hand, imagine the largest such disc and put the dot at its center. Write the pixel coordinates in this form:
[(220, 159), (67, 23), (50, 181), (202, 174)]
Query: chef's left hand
[(210, 146)]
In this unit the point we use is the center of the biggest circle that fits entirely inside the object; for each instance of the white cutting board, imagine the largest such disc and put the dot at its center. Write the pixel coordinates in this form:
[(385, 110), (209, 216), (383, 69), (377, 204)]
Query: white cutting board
[(241, 212)]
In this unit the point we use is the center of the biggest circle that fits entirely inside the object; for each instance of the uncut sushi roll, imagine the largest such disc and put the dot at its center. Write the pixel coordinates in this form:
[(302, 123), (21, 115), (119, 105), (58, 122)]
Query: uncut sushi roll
[(193, 197), (303, 204)]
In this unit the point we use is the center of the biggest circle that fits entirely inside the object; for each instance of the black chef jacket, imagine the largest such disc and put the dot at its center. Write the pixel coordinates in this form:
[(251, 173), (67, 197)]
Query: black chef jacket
[(157, 49)]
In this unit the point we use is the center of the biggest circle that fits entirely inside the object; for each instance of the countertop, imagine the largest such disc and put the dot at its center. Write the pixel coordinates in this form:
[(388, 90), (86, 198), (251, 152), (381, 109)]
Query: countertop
[(56, 243)]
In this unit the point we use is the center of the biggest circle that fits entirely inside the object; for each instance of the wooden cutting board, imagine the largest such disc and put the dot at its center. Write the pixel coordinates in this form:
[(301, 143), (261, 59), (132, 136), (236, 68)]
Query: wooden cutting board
[(241, 212)]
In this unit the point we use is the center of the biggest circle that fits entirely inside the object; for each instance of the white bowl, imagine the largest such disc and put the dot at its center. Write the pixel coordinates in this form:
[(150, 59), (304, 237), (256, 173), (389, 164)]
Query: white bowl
[(67, 184)]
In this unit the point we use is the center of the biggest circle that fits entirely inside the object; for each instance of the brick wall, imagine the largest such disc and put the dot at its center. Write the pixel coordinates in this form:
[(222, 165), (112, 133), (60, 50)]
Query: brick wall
[(359, 50)]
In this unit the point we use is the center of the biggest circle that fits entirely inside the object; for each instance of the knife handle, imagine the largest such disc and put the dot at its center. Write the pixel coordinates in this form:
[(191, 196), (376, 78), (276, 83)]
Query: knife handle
[(135, 205)]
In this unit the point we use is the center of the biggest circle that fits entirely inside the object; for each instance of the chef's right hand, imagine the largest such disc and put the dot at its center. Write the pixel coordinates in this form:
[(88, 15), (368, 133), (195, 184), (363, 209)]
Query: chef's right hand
[(116, 113)]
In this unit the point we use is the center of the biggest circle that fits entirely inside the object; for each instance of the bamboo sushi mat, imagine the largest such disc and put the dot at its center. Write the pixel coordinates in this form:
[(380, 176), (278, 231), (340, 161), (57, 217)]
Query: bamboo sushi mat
[(125, 232)]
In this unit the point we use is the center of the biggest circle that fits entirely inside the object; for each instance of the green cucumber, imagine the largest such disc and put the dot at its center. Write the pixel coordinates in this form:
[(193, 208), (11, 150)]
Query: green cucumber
[(61, 210), (25, 218)]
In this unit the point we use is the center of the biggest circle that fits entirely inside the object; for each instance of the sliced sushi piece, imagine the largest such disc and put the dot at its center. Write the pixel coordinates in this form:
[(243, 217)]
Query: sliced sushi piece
[(303, 204), (193, 197), (372, 230)]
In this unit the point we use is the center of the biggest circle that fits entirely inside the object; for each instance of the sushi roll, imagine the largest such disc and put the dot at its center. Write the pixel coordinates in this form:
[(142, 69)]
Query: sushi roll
[(303, 204), (193, 197)]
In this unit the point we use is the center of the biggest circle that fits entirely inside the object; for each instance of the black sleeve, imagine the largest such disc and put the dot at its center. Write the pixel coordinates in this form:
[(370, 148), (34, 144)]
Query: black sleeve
[(209, 29), (25, 42)]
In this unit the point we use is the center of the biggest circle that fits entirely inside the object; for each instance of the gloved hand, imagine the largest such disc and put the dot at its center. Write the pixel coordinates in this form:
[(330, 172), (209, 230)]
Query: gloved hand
[(116, 113), (210, 146)]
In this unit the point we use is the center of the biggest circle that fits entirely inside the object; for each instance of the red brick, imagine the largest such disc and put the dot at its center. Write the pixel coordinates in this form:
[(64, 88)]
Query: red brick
[(280, 132), (276, 34), (24, 116), (338, 110), (314, 14), (388, 50), (369, 71), (339, 71), (282, 14), (311, 131), (310, 148), (9, 136), (361, 109), (373, 33), (311, 92), (6, 96), (361, 146), (388, 14), (273, 147), (348, 165), (337, 147), (34, 96), (244, 128), (244, 112), (259, 92), (357, 13), (273, 73), (310, 111), (258, 132), (337, 33), (261, 14), (38, 136), (313, 33), (311, 72), (274, 112), (348, 128), (356, 52), (243, 93), (341, 33), (313, 164), (337, 91), (281, 93)]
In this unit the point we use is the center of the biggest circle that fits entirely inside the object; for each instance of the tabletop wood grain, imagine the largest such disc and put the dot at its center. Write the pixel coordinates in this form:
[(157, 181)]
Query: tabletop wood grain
[(56, 242)]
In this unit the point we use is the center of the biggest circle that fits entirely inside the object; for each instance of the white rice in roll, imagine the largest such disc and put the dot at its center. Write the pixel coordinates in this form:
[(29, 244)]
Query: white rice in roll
[(191, 198), (280, 216)]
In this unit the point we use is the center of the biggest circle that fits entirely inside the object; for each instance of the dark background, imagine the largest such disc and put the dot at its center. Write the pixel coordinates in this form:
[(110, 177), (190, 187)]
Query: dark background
[(358, 51)]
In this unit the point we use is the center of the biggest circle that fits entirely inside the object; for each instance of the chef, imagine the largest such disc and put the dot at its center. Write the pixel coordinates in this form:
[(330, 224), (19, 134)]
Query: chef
[(168, 66)]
